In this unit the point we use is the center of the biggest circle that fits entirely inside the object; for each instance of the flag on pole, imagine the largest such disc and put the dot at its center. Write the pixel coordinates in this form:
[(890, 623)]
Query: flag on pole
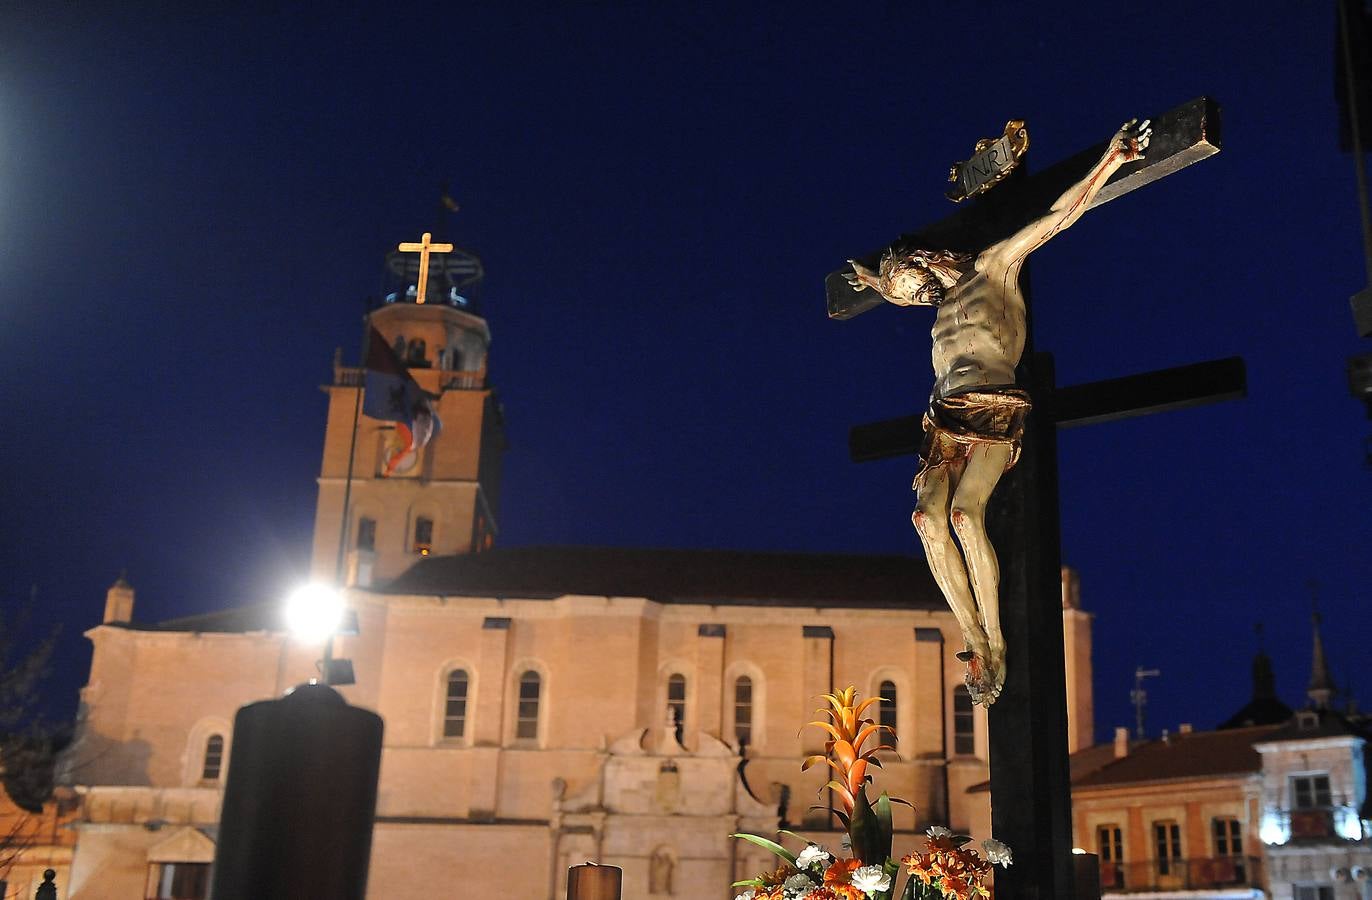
[(392, 395)]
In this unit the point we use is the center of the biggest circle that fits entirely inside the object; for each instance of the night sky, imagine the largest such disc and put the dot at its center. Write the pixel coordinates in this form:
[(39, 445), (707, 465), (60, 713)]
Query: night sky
[(194, 207)]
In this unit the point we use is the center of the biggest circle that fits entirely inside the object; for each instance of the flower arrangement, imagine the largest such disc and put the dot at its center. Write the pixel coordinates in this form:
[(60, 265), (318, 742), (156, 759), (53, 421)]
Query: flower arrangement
[(949, 868)]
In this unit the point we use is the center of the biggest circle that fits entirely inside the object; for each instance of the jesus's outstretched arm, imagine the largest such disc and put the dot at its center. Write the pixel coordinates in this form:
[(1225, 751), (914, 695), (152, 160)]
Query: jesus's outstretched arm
[(1127, 145)]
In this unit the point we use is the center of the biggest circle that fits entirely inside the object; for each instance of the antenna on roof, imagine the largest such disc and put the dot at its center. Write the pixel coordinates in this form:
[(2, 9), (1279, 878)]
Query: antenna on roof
[(1139, 697)]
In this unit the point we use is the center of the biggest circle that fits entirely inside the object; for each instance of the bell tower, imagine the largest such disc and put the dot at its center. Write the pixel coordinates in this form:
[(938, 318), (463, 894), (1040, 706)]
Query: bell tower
[(445, 501)]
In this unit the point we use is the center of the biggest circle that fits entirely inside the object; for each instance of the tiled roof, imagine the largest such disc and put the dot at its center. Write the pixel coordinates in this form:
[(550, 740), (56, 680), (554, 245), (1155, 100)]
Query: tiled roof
[(1198, 754), (679, 576), (1308, 724)]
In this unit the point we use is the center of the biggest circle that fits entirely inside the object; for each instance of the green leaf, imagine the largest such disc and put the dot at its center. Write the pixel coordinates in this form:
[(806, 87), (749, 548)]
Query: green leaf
[(865, 831), (765, 844), (883, 811), (751, 882), (911, 885), (799, 837)]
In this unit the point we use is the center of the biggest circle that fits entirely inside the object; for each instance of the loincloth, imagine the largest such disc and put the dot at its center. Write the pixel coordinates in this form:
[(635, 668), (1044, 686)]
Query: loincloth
[(957, 423)]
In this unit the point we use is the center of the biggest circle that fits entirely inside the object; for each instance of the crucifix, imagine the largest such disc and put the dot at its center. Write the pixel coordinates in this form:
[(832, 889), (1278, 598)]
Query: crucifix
[(994, 416), (424, 248)]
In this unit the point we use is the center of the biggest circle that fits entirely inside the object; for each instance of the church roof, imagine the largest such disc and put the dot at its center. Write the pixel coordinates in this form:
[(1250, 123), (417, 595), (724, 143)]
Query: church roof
[(718, 577), (1196, 754)]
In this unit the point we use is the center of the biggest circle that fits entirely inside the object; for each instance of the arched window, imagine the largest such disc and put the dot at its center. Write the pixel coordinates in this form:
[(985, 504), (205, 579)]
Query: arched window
[(743, 711), (526, 722), (964, 723), (676, 702), (415, 355), (455, 705), (214, 758), (887, 711), (400, 346)]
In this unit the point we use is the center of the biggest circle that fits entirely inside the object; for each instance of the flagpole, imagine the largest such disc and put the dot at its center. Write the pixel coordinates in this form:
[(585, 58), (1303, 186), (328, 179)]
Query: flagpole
[(352, 451)]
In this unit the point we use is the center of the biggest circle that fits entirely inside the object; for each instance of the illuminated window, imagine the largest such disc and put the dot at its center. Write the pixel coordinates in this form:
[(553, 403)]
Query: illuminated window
[(180, 881), (676, 702), (1167, 844), (743, 710), (366, 533), (526, 722), (455, 705), (964, 723), (1310, 792), (214, 758), (886, 714), (423, 536), (483, 535)]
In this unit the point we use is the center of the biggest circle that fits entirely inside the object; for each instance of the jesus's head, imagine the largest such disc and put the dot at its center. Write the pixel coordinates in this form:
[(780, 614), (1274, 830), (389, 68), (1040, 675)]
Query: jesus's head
[(912, 276)]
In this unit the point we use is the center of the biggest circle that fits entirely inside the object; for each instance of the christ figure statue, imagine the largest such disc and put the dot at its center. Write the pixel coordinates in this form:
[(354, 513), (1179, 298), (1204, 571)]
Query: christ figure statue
[(976, 415)]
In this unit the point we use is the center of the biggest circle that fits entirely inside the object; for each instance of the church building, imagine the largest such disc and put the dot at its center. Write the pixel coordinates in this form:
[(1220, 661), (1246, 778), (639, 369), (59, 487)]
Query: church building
[(543, 706)]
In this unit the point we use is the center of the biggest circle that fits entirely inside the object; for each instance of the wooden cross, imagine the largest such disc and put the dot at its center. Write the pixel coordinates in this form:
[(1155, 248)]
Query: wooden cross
[(424, 248), (1030, 786)]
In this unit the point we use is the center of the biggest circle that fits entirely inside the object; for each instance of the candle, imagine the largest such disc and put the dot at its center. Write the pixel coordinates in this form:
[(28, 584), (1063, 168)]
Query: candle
[(593, 882)]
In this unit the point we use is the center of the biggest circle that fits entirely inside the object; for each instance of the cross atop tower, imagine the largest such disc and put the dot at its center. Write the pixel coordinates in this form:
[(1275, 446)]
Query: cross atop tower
[(424, 248)]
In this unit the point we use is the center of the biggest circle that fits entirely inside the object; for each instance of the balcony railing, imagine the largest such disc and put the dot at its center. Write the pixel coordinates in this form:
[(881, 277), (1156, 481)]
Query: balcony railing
[(448, 380), (1181, 874)]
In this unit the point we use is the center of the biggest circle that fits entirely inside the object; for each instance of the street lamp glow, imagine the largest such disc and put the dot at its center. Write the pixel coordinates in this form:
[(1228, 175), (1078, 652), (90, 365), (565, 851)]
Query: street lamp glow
[(314, 612)]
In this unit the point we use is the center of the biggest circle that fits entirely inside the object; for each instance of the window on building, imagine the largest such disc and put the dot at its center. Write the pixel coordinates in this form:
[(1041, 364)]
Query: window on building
[(180, 881), (214, 758), (1167, 846), (423, 536), (964, 723), (1310, 792), (399, 346), (743, 710), (1313, 892), (1228, 836), (483, 535), (676, 702), (366, 533), (1109, 844), (526, 722), (455, 705), (886, 711), (415, 355)]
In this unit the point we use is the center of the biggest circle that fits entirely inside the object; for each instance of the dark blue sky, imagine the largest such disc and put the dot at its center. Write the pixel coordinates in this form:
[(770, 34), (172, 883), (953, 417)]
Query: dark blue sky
[(194, 204)]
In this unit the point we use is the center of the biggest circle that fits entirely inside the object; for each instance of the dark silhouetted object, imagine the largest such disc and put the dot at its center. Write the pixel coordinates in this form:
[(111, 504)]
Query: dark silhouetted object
[(1087, 867), (1351, 24), (300, 799), (47, 890)]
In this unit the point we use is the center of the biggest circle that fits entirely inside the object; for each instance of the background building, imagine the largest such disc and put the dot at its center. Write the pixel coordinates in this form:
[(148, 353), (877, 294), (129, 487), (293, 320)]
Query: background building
[(543, 706)]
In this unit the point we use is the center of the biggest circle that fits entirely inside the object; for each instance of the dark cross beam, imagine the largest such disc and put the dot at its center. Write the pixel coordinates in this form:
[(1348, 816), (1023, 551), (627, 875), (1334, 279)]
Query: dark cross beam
[(1182, 136), (1030, 786)]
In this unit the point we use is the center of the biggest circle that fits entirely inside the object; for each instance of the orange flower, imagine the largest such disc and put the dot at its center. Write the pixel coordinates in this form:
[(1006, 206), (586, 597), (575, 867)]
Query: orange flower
[(843, 753), (841, 872)]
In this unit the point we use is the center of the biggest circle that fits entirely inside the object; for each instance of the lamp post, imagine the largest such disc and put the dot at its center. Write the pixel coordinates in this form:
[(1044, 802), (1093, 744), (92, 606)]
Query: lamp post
[(315, 613)]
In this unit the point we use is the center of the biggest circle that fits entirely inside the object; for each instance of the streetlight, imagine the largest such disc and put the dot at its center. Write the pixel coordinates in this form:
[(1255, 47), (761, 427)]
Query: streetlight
[(315, 613)]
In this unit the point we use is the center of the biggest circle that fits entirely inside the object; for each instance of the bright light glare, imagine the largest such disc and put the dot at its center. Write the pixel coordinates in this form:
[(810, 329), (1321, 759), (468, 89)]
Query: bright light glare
[(314, 612)]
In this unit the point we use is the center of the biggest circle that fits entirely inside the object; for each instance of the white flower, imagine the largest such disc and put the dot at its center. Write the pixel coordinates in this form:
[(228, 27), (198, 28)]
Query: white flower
[(798, 884), (938, 831), (996, 852), (747, 895), (871, 879), (813, 853)]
